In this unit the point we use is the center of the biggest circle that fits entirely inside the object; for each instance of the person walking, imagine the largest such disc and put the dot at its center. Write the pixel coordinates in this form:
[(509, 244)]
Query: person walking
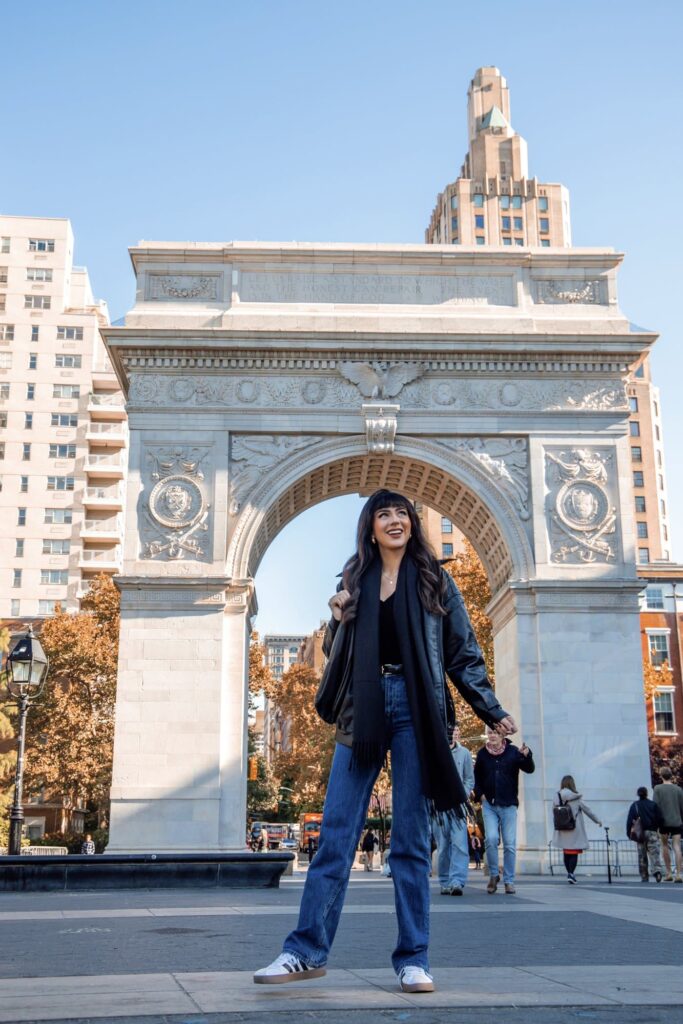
[(669, 798), (643, 822), (87, 846), (496, 784), (572, 841), (263, 840), (368, 848), (398, 621), (475, 844), (452, 841)]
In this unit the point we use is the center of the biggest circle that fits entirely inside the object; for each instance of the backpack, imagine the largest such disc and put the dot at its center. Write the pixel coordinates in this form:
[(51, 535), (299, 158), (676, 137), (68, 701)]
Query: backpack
[(563, 817)]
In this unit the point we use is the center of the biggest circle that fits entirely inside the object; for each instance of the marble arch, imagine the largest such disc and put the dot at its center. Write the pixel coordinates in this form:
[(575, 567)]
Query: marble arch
[(261, 379)]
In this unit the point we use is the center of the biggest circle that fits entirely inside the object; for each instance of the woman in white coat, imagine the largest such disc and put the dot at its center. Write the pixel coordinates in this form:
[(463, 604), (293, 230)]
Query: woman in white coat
[(573, 841)]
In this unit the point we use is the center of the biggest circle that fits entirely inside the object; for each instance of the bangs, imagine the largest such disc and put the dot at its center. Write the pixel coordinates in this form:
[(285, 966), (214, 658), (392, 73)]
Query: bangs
[(388, 499)]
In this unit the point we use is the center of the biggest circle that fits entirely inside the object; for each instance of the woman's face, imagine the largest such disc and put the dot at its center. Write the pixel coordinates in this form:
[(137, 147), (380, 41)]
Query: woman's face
[(391, 528)]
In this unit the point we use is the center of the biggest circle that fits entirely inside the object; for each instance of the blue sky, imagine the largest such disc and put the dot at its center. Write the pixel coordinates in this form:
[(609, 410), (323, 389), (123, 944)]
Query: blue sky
[(340, 122)]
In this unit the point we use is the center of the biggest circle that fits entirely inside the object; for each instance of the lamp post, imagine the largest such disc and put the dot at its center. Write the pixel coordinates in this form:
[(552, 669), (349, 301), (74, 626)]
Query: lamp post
[(27, 666)]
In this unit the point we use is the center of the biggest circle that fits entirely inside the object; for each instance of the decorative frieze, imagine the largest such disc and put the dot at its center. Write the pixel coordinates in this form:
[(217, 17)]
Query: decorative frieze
[(552, 291), (184, 287), (581, 505), (380, 380)]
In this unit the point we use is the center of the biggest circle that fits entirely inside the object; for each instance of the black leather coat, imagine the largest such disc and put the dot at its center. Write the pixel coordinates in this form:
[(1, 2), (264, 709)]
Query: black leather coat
[(452, 650)]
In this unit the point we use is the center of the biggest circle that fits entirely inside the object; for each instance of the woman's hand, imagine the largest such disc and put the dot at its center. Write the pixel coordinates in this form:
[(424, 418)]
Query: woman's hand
[(336, 603), (506, 726)]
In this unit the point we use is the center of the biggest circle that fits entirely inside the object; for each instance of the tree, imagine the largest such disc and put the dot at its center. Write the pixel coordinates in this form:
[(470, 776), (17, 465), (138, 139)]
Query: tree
[(70, 731), (262, 792), (472, 581), (655, 677)]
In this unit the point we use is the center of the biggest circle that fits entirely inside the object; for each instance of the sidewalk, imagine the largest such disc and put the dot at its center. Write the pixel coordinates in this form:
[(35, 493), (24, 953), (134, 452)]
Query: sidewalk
[(553, 954)]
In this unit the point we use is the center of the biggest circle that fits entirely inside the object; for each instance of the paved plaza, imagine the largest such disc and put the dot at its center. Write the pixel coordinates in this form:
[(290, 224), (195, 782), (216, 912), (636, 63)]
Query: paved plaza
[(552, 954)]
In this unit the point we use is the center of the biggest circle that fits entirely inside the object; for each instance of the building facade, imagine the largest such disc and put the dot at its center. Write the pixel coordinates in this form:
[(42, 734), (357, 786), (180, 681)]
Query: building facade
[(661, 625), (445, 538), (63, 432), (282, 651)]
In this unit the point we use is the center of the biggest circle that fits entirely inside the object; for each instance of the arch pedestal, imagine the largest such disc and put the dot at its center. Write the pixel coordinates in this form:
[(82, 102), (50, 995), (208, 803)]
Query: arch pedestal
[(499, 401)]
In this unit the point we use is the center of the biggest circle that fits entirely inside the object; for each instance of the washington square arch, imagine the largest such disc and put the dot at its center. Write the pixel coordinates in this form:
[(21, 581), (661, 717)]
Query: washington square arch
[(262, 379)]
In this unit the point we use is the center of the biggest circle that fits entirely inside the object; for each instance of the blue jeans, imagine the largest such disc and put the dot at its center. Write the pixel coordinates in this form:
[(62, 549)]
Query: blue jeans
[(500, 819), (453, 852), (346, 804)]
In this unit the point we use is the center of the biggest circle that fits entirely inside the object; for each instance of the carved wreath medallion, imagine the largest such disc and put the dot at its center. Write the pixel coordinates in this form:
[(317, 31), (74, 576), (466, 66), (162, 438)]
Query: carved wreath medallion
[(176, 502)]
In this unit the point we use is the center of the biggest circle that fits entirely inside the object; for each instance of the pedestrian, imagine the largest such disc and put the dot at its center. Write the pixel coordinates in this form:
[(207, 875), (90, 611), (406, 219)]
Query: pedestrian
[(642, 826), (386, 863), (311, 849), (496, 784), (572, 841), (398, 621), (669, 798), (475, 844), (263, 841), (452, 841), (368, 848), (87, 846)]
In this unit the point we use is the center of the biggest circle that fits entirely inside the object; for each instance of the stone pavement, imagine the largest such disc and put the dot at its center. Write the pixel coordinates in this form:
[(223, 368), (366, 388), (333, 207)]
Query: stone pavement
[(553, 954)]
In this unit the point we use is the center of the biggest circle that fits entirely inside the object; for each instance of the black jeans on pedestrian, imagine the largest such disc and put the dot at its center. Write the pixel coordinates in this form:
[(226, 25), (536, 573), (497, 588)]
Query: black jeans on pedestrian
[(570, 862)]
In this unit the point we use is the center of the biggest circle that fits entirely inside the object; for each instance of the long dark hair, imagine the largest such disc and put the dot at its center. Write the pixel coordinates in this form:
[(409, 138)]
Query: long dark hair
[(431, 583)]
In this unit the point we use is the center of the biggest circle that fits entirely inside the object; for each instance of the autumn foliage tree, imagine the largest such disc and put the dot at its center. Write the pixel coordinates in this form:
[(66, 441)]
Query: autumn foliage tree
[(8, 757), (70, 731), (262, 792)]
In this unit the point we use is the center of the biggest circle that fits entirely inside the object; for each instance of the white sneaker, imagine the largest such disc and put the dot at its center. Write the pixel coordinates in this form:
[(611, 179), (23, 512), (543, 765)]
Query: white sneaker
[(287, 967), (415, 979)]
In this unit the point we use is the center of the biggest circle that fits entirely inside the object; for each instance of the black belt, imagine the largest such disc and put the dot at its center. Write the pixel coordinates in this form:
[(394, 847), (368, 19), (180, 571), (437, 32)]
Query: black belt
[(392, 670)]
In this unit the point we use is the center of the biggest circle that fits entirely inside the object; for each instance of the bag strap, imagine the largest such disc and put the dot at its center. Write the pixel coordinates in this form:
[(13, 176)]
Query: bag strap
[(559, 797)]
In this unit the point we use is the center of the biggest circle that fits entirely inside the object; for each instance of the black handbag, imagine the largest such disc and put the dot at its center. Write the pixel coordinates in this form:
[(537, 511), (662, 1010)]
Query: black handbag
[(563, 817), (637, 832), (335, 681)]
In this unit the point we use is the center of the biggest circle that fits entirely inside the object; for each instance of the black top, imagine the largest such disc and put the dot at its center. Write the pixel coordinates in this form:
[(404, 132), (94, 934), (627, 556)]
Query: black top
[(496, 776), (389, 650), (649, 813)]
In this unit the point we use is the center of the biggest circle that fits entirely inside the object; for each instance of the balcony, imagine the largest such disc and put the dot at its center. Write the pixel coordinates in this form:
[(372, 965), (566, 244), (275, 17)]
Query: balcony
[(110, 466), (102, 529), (100, 559), (105, 498), (113, 435), (107, 406)]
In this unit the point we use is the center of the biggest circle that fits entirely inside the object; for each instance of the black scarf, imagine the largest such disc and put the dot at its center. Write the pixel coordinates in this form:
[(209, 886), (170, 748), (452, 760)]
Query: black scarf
[(441, 783)]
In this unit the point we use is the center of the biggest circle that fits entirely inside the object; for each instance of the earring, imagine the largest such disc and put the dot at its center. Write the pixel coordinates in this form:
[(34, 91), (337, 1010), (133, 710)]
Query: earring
[(373, 539)]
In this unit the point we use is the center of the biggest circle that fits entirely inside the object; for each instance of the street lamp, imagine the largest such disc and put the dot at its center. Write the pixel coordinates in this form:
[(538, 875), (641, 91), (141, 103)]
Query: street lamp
[(27, 666)]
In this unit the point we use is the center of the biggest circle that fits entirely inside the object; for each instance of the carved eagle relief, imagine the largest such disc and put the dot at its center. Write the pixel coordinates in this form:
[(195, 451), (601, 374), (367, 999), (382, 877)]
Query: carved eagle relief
[(379, 380)]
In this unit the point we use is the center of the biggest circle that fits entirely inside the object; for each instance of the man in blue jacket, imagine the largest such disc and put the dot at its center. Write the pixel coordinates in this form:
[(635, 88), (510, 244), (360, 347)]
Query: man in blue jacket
[(496, 784), (451, 837)]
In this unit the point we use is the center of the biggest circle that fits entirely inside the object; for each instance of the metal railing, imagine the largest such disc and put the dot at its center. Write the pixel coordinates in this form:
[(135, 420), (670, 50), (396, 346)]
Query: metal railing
[(623, 856), (104, 460), (107, 555), (43, 851), (112, 525), (115, 429), (104, 493)]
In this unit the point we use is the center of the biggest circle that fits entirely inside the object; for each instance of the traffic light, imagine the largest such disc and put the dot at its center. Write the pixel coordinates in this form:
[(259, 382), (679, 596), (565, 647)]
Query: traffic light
[(252, 774)]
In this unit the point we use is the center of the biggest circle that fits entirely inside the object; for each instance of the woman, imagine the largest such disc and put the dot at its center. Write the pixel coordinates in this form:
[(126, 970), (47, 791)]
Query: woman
[(398, 621), (573, 841)]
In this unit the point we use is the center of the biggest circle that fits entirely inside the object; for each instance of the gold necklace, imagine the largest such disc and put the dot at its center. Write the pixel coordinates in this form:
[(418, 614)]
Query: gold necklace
[(388, 577)]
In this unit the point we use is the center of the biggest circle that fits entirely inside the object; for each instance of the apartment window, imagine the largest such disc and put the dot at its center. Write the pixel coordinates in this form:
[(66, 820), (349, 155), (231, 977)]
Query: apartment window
[(660, 481), (519, 241), (47, 607), (4, 245), (665, 534), (4, 390), (3, 419), (16, 577), (2, 449), (28, 421), (21, 517), (480, 240), (636, 453), (638, 478), (634, 428), (654, 599), (662, 503), (30, 392), (19, 549), (66, 391), (15, 605), (446, 525), (516, 202), (454, 202), (545, 242), (543, 204), (23, 484), (37, 301), (479, 220), (62, 451), (72, 362), (5, 360), (41, 245), (35, 333), (454, 223), (56, 547), (478, 199), (3, 303), (69, 334), (54, 577), (640, 503), (446, 550), (659, 457), (505, 222), (58, 516), (33, 360), (643, 556), (657, 434), (38, 274), (633, 404), (507, 240), (518, 223), (663, 703), (642, 531), (656, 408), (6, 332), (64, 419), (544, 225), (26, 451), (505, 202), (60, 483)]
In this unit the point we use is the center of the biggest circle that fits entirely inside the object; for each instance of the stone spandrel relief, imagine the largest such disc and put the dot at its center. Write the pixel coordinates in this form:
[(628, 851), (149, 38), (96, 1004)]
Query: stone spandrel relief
[(253, 455), (175, 508), (505, 459), (570, 292), (184, 287), (581, 506), (381, 380)]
